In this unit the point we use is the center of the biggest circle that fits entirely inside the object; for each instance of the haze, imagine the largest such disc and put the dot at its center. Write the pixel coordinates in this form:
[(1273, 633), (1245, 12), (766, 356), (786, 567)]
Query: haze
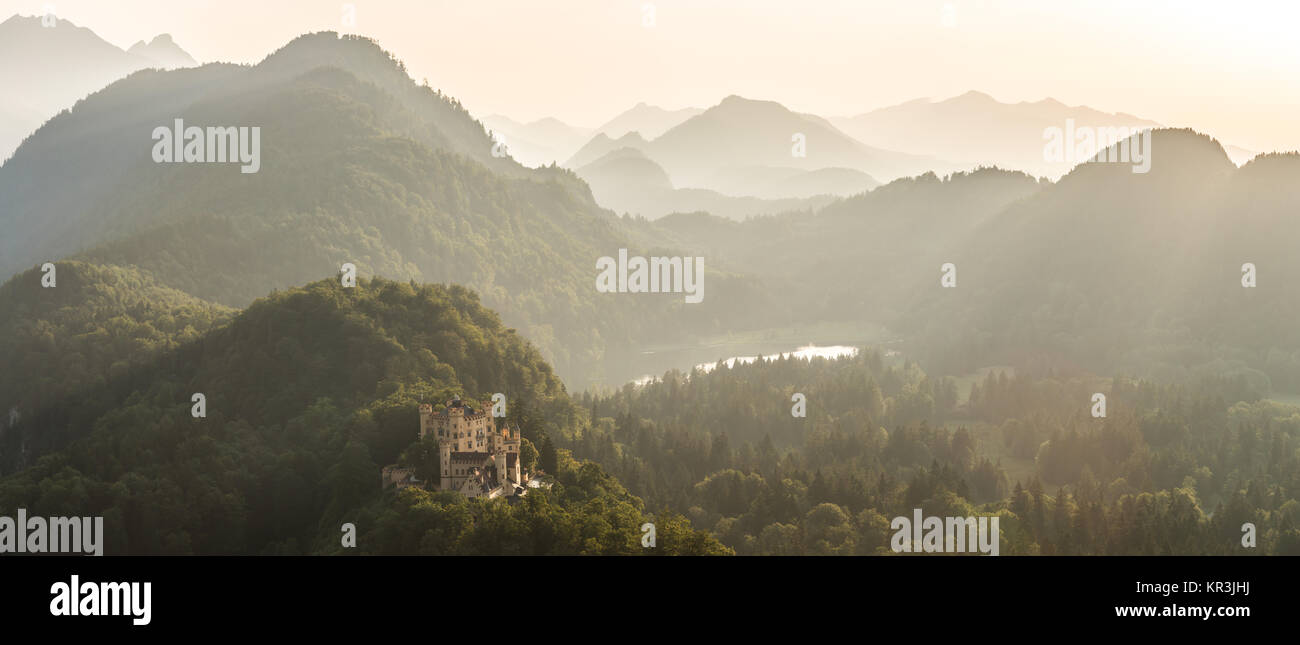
[(1228, 69)]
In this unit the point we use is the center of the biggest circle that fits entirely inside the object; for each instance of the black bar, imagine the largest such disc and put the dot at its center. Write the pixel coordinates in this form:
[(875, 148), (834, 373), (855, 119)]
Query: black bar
[(388, 596)]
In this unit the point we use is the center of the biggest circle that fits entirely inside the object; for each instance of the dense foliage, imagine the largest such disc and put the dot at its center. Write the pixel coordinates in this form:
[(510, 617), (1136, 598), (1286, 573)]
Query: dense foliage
[(82, 340), (1169, 470), (308, 392)]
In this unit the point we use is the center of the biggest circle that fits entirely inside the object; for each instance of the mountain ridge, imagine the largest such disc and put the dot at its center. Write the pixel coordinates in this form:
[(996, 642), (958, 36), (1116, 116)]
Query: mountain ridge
[(63, 64), (975, 128), (402, 182)]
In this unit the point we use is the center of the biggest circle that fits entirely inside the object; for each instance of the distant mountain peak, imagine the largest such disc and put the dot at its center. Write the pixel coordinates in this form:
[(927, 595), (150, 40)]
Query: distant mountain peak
[(1181, 153), (21, 20), (161, 40), (736, 102), (975, 129), (650, 120), (548, 120), (19, 23), (49, 69), (626, 139), (164, 51), (736, 99), (974, 95)]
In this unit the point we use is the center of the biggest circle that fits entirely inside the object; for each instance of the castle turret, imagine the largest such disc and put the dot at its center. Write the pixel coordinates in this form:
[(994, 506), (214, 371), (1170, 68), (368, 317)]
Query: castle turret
[(426, 419), (502, 473), (444, 459)]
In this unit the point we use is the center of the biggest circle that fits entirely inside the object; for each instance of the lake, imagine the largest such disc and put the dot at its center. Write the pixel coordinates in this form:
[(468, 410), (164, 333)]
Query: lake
[(806, 352)]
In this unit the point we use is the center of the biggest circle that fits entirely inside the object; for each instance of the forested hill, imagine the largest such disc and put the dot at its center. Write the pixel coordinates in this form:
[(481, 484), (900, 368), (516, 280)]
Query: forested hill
[(861, 258), (83, 339), (307, 393), (1108, 269), (1140, 273), (358, 164)]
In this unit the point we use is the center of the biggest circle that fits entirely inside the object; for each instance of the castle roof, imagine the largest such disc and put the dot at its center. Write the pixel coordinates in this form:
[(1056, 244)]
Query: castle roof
[(457, 404)]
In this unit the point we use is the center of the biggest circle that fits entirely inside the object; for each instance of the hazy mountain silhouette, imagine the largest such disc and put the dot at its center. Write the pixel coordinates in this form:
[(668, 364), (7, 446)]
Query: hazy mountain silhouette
[(627, 181), (740, 133), (1106, 269), (359, 164), (48, 69), (164, 52), (770, 182), (624, 169), (548, 140), (976, 129), (648, 120), (1140, 273), (603, 144), (104, 145), (744, 149), (362, 165), (865, 254), (538, 143)]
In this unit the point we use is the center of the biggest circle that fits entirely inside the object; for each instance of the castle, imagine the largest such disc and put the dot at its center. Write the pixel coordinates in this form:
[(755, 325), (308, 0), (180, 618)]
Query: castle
[(474, 457)]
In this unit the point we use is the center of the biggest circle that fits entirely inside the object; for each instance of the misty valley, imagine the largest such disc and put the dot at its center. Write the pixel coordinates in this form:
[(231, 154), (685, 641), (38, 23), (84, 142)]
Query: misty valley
[(900, 350)]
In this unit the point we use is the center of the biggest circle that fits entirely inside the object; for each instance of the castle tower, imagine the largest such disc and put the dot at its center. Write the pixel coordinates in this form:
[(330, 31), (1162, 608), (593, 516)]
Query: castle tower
[(444, 459), (510, 444), (502, 475), (426, 419)]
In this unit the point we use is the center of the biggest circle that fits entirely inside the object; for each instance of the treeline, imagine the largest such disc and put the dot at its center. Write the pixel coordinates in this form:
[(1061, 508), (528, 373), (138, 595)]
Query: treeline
[(1169, 470), (587, 512), (751, 401)]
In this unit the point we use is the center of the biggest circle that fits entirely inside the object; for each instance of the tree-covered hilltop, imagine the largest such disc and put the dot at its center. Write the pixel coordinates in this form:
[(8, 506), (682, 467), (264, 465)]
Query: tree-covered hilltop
[(858, 259), (1171, 469), (359, 165), (587, 512), (81, 341), (307, 393), (1117, 271)]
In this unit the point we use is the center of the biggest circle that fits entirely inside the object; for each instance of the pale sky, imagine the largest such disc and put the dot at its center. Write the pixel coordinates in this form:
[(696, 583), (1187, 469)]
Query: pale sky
[(1228, 68)]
